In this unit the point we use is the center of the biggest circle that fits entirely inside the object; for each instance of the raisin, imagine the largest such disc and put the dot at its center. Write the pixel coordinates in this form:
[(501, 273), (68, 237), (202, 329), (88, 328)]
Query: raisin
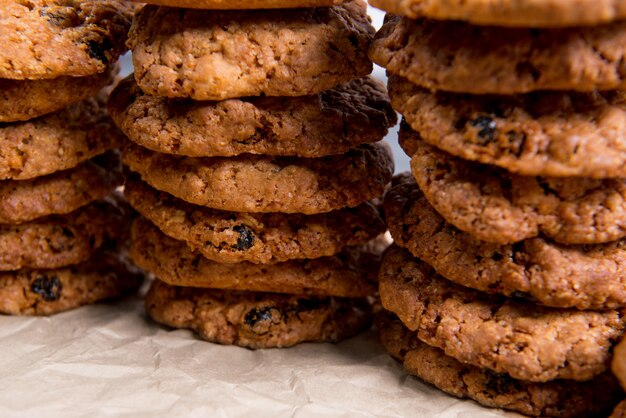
[(486, 127), (498, 383), (246, 237), (260, 320), (48, 287), (98, 50)]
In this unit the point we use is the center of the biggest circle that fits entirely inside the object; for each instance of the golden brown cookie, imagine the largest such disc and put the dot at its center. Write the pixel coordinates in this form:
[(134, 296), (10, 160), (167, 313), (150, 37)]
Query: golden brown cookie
[(232, 237), (327, 123), (46, 292), (559, 398), (499, 207), (216, 55), (59, 193), (522, 13), (459, 57), (351, 273), (57, 141), (537, 134), (22, 100), (250, 183), (256, 320), (44, 39), (581, 276), (619, 411), (526, 341), (243, 4), (61, 240)]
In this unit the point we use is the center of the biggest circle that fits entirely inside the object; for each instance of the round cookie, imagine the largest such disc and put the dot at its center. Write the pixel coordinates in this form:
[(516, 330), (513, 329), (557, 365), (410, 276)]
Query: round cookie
[(217, 55), (458, 57), (57, 141), (256, 320), (232, 237), (351, 273), (243, 4), (327, 123), (499, 207), (45, 39), (22, 100), (250, 183), (60, 240), (559, 398), (515, 13), (537, 134), (619, 411), (46, 292), (524, 340), (580, 276), (59, 193)]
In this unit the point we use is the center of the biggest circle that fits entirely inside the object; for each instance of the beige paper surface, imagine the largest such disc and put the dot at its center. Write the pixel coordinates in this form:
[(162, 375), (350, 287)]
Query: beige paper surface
[(111, 360)]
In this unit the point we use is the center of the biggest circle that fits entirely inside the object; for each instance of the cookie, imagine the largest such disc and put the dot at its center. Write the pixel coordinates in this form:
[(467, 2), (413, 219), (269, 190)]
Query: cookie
[(580, 276), (351, 273), (458, 57), (22, 100), (619, 411), (243, 4), (496, 206), (524, 13), (59, 193), (250, 183), (46, 292), (256, 320), (232, 237), (618, 363), (45, 39), (327, 123), (60, 240), (559, 398), (57, 141), (217, 55), (537, 134), (526, 341)]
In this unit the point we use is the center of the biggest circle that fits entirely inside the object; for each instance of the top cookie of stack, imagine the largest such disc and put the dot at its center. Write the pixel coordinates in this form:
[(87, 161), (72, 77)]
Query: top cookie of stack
[(255, 152), (515, 119)]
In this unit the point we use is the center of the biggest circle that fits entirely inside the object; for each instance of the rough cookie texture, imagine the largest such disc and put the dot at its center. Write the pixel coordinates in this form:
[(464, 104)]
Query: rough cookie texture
[(351, 273), (250, 183), (581, 276), (45, 39), (216, 55), (522, 13), (496, 206), (232, 237), (256, 320), (527, 341), (243, 4), (61, 240), (57, 141), (46, 292), (58, 193), (455, 56), (559, 398), (331, 122), (618, 363), (22, 100), (543, 134)]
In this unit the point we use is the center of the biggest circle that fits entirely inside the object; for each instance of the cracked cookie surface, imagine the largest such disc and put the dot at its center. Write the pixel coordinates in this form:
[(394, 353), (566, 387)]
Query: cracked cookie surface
[(44, 39), (458, 57), (581, 276), (327, 123), (525, 340), (256, 320), (251, 183), (560, 398), (216, 55)]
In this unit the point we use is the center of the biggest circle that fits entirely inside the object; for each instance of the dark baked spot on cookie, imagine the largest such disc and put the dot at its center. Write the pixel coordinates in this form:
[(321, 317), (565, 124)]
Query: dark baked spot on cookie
[(48, 287), (98, 50), (486, 127), (498, 383), (246, 237), (261, 320)]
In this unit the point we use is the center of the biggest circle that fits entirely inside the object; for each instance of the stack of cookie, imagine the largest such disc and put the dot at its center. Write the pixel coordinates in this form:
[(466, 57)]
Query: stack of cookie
[(516, 206), (57, 224), (254, 156)]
